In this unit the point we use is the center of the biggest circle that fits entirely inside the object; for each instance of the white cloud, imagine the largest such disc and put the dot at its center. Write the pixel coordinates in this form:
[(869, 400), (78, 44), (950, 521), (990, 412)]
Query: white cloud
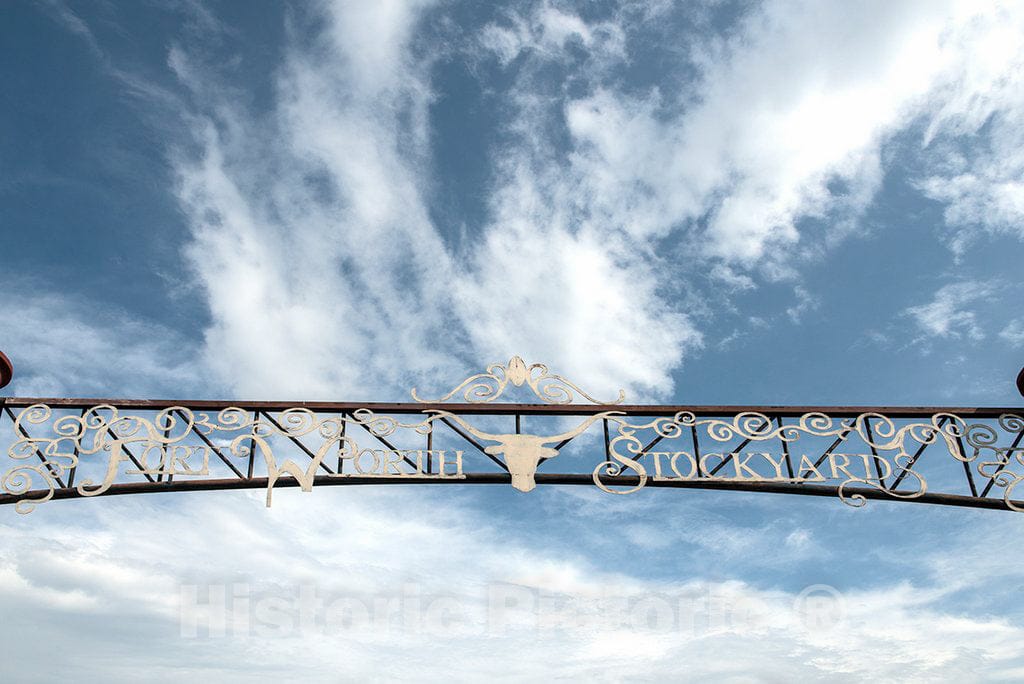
[(324, 273), (556, 295), (61, 13), (813, 92), (982, 101), (730, 339), (546, 31), (947, 314), (561, 288), (789, 122), (805, 301), (1013, 333), (325, 198), (311, 237), (71, 346), (122, 574), (731, 278), (793, 102), (989, 196)]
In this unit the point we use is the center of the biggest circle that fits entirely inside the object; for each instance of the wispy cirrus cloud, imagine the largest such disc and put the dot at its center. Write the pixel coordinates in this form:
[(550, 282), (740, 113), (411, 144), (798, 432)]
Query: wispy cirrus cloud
[(789, 119), (63, 14), (767, 159), (981, 100), (1013, 333), (324, 271), (949, 313), (546, 31), (767, 153), (71, 346)]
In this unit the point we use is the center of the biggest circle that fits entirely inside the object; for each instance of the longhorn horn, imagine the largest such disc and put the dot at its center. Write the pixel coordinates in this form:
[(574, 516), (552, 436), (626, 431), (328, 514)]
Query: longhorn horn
[(469, 428), (582, 426), (556, 438)]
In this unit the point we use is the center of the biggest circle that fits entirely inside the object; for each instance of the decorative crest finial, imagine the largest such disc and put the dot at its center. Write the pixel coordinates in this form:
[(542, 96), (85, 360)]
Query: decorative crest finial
[(488, 386)]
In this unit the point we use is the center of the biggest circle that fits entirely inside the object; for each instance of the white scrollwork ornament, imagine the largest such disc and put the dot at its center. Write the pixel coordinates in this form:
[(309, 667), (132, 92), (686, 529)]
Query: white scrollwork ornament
[(490, 385)]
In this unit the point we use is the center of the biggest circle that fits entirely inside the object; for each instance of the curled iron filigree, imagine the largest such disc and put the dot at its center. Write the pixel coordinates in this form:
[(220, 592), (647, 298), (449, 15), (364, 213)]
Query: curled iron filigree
[(548, 387), (1002, 470), (20, 480), (902, 461), (53, 460), (669, 428), (383, 426)]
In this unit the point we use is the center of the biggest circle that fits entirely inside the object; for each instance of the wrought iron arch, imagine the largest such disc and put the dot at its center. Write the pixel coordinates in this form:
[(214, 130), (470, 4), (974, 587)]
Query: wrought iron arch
[(81, 448)]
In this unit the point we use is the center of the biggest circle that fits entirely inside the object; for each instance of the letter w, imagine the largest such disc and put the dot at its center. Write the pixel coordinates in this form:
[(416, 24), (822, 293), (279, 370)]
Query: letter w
[(303, 475)]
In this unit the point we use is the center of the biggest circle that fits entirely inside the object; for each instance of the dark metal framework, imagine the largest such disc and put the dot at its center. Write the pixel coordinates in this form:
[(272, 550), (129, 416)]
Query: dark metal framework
[(961, 456)]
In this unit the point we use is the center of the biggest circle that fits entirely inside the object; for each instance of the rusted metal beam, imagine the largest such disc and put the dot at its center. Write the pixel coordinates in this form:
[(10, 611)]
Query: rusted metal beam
[(522, 409), (575, 479)]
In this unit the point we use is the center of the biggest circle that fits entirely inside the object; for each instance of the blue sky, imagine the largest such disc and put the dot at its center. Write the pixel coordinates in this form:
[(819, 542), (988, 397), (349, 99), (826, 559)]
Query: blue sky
[(709, 202)]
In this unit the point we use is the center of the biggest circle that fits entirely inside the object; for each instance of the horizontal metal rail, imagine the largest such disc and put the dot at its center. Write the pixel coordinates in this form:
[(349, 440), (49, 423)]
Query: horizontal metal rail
[(508, 409), (542, 478)]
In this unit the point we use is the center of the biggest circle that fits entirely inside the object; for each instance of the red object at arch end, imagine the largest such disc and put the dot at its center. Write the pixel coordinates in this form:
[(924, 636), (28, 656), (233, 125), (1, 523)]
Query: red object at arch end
[(6, 370)]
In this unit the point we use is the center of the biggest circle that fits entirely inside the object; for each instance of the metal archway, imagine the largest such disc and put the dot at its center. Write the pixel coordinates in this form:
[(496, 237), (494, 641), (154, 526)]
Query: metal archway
[(80, 448)]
